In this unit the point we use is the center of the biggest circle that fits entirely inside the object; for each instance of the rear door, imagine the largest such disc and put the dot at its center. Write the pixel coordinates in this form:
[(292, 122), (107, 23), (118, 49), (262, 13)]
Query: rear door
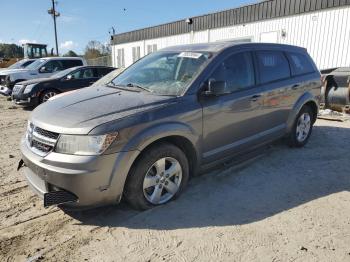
[(232, 122), (275, 81)]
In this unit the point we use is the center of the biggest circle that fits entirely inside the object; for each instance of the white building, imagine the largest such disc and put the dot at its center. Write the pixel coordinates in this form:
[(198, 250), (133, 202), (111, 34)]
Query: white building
[(321, 26)]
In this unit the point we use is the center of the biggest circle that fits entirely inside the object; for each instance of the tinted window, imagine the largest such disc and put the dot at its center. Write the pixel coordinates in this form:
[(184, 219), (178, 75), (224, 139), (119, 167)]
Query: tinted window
[(27, 63), (272, 65), (53, 66), (100, 72), (237, 71), (71, 63), (300, 64), (83, 73)]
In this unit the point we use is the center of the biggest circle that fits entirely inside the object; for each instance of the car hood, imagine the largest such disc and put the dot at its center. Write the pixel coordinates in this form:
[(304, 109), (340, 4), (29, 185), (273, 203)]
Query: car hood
[(37, 81), (83, 110), (12, 71)]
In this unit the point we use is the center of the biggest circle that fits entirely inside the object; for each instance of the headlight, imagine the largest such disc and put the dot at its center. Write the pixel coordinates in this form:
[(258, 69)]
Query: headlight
[(84, 145), (28, 89)]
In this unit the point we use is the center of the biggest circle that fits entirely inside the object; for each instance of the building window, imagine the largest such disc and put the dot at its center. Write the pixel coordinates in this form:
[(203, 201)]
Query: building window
[(120, 58), (151, 48), (135, 53)]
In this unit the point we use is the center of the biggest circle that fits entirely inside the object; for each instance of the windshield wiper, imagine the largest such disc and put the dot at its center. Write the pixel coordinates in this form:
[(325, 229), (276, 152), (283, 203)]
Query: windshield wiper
[(137, 86)]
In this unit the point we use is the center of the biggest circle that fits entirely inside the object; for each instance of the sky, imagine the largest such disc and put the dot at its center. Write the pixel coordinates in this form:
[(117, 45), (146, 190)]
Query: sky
[(84, 20)]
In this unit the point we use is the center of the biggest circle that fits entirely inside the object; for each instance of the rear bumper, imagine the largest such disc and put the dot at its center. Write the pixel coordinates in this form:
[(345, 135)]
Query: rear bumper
[(94, 180)]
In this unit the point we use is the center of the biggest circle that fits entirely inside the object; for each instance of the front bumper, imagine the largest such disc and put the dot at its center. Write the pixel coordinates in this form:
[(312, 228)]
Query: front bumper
[(94, 180), (23, 100)]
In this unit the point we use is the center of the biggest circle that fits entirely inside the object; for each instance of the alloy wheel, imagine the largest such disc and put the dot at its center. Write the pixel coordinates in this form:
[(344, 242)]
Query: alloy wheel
[(162, 180), (48, 95), (303, 127)]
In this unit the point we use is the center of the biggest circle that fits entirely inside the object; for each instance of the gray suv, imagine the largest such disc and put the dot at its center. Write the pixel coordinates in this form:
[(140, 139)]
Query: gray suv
[(167, 117)]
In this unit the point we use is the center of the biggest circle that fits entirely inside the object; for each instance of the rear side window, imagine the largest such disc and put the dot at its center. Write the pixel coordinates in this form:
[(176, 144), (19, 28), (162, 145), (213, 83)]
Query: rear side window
[(300, 64), (272, 65), (71, 63)]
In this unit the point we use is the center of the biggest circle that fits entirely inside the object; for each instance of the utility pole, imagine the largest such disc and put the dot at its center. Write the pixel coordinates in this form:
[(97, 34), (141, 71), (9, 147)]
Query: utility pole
[(54, 14)]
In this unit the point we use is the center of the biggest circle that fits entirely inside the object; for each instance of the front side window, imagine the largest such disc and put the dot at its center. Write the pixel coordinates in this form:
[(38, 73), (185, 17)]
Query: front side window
[(237, 71), (53, 66), (272, 65), (83, 73), (164, 73)]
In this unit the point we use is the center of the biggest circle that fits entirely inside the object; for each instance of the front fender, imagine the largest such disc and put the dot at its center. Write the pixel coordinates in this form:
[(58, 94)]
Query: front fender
[(139, 142), (305, 98), (162, 130)]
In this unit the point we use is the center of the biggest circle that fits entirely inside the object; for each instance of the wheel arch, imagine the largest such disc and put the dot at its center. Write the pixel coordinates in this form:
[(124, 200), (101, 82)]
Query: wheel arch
[(179, 141), (306, 99)]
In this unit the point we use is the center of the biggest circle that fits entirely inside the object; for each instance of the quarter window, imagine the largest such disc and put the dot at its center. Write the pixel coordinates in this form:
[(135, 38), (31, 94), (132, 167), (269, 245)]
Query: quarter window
[(237, 71), (300, 64), (272, 65)]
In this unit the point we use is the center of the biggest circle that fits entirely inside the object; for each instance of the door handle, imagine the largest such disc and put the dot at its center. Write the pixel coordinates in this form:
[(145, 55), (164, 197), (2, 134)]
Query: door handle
[(255, 98), (295, 87)]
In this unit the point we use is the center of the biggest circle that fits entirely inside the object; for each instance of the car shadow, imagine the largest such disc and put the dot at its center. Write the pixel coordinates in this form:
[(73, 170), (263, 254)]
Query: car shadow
[(280, 180)]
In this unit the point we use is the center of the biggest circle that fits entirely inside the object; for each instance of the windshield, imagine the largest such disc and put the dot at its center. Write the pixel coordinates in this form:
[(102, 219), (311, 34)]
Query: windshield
[(17, 65), (36, 64), (63, 73), (163, 73)]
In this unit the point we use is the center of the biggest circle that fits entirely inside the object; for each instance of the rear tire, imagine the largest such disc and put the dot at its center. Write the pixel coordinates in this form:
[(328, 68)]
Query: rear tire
[(302, 128), (159, 176), (46, 95)]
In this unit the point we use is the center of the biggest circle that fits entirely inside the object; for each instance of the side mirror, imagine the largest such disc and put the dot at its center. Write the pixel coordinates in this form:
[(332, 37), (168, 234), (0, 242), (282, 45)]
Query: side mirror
[(215, 88), (70, 77), (42, 69)]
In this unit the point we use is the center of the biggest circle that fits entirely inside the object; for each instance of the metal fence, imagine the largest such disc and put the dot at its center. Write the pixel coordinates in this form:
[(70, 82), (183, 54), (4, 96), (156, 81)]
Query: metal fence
[(100, 61)]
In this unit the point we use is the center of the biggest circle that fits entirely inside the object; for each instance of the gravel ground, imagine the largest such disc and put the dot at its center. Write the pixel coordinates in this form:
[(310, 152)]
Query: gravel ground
[(286, 205)]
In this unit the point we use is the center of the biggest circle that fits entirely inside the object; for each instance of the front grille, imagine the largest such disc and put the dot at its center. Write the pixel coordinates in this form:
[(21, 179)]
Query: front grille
[(46, 133), (17, 89), (39, 140)]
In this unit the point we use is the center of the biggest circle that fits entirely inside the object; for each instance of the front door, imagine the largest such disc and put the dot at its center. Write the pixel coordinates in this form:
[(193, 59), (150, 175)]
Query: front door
[(79, 78), (232, 122)]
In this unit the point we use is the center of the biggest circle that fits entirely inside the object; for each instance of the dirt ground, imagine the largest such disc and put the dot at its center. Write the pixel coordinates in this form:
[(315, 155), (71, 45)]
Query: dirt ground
[(287, 205)]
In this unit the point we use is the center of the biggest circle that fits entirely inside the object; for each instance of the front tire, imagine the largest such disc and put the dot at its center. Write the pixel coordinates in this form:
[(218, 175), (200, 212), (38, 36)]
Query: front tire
[(159, 176), (46, 95), (302, 128)]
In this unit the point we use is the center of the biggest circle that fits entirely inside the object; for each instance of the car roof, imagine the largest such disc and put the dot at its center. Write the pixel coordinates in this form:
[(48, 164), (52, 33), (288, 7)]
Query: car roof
[(92, 66), (61, 58), (221, 46)]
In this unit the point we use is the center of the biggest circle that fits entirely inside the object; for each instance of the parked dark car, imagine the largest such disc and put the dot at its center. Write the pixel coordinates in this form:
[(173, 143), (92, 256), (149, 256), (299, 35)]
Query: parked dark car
[(168, 116), (37, 91)]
